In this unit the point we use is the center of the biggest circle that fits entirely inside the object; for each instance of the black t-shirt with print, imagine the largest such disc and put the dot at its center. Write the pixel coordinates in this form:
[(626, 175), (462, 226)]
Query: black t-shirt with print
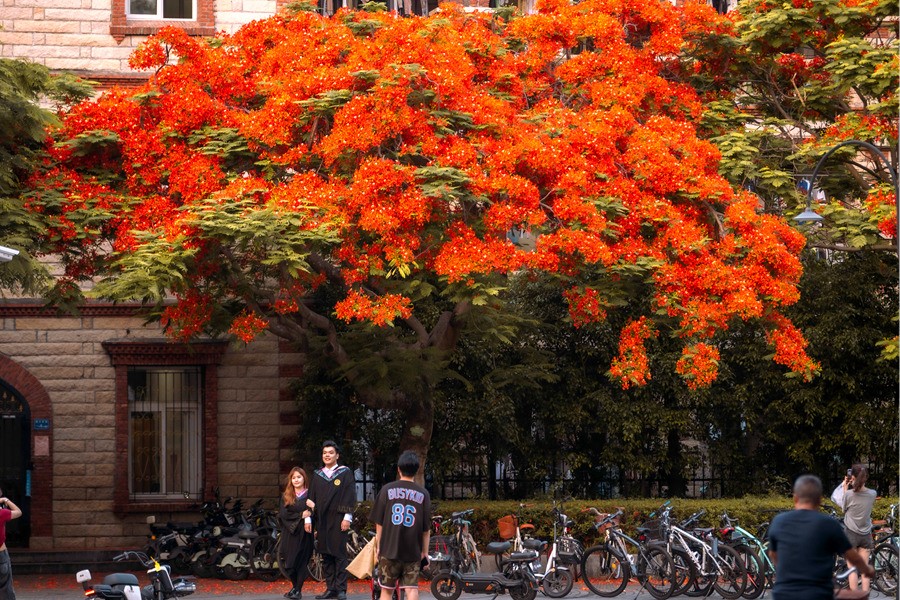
[(403, 509)]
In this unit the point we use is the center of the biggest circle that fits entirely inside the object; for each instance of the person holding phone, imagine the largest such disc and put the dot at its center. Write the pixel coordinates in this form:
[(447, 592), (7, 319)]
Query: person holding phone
[(857, 505), (402, 517)]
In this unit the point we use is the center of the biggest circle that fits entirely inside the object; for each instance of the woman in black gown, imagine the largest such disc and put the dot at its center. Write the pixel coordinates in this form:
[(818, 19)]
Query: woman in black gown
[(296, 543)]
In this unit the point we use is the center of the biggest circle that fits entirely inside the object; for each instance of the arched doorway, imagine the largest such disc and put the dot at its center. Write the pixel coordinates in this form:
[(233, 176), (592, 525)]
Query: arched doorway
[(15, 460)]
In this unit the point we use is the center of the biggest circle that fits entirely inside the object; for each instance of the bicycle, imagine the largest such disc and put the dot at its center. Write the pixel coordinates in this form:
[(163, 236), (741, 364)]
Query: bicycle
[(511, 531), (754, 552), (556, 580), (708, 562), (461, 553), (606, 568), (885, 557)]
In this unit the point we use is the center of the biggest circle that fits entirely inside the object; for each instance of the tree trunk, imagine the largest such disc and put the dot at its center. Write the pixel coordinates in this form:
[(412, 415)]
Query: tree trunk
[(418, 429)]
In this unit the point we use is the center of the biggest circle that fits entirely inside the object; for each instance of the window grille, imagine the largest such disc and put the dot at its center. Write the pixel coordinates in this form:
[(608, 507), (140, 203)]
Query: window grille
[(164, 428)]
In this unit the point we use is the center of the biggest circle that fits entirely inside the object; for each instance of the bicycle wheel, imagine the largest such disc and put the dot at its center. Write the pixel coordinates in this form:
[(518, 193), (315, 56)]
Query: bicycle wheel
[(263, 558), (685, 572), (699, 587), (756, 571), (884, 560), (605, 571), (557, 583), (730, 579), (656, 571), (316, 568)]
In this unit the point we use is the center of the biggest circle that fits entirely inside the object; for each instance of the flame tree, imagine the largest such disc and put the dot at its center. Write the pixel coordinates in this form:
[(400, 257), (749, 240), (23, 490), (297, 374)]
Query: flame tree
[(352, 184)]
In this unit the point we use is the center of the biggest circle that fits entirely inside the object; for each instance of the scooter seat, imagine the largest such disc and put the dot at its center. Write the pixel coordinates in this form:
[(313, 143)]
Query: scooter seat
[(528, 555), (108, 592), (120, 579), (534, 544), (497, 547)]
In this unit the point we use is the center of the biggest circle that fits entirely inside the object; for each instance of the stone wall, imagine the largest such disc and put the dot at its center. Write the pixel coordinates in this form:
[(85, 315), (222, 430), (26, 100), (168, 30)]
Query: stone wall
[(256, 423)]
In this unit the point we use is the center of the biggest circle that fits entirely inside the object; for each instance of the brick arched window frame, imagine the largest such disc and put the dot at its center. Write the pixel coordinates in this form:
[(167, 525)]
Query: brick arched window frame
[(125, 355), (120, 26)]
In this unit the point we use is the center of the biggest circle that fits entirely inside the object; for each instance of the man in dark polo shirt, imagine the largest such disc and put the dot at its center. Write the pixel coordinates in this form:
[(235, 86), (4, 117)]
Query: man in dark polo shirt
[(803, 544)]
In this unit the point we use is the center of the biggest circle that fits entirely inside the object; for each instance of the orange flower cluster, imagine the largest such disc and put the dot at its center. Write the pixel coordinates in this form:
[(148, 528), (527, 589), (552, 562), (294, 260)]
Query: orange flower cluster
[(382, 310), (631, 366), (790, 348), (188, 317), (585, 307), (698, 365), (882, 204), (410, 148), (247, 325)]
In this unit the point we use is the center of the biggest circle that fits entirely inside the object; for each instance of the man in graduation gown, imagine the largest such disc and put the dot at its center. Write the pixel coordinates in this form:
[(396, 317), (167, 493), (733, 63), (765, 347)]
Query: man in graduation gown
[(332, 498)]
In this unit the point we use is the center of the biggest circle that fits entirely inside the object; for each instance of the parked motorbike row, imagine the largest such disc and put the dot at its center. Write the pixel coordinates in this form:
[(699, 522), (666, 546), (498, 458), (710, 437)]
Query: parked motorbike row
[(231, 542)]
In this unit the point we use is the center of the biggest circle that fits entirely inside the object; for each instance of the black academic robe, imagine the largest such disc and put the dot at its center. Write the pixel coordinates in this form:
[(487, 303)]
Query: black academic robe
[(334, 497), (299, 543)]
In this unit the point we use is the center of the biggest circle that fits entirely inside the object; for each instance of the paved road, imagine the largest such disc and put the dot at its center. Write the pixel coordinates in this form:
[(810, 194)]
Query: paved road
[(46, 587)]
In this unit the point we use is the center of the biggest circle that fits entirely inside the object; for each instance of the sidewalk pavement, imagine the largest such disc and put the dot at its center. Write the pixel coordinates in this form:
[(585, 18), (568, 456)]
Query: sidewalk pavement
[(61, 586)]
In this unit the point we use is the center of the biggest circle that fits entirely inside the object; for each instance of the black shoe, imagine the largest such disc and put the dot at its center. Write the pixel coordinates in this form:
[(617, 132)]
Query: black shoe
[(291, 595), (327, 594), (342, 596)]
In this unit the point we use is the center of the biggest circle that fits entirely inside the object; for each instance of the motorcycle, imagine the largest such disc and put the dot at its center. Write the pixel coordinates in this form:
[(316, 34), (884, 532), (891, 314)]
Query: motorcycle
[(125, 586)]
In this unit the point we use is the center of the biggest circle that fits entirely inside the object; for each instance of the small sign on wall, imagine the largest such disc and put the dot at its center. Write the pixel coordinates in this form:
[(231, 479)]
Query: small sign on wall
[(42, 424), (42, 445)]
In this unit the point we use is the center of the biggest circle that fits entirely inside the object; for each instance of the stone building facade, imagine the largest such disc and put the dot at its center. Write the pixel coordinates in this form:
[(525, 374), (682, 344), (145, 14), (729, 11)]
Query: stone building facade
[(66, 402), (94, 38)]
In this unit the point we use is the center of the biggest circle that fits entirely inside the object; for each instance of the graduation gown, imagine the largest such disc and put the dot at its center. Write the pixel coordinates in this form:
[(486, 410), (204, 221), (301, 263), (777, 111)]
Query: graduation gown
[(299, 542), (334, 497)]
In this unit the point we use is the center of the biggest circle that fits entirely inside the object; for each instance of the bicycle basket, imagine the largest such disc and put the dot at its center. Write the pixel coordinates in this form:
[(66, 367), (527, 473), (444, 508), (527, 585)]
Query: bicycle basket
[(507, 527), (653, 529), (569, 551)]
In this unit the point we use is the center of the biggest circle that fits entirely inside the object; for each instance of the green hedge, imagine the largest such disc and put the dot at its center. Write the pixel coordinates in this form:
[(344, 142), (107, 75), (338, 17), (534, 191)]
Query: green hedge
[(750, 512)]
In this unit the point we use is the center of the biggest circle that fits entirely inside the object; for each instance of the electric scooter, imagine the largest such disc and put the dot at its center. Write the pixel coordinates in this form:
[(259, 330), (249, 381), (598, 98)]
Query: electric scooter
[(125, 586), (517, 577)]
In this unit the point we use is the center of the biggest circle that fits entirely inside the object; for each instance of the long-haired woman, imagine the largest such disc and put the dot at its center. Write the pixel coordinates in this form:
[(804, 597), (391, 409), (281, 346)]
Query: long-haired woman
[(296, 544)]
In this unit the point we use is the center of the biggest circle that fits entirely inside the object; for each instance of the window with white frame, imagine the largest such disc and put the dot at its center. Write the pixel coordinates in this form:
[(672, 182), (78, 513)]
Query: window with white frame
[(161, 9), (165, 455)]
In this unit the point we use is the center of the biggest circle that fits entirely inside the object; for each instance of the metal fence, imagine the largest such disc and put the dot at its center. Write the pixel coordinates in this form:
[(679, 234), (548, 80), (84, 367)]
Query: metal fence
[(706, 481)]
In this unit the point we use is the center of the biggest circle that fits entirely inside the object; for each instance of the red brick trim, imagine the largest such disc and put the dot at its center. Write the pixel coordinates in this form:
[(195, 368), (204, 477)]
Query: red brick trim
[(120, 26), (13, 310), (42, 474), (148, 352)]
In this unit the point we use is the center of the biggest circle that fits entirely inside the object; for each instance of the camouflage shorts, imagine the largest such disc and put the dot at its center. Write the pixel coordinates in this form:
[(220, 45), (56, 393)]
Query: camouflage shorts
[(393, 571)]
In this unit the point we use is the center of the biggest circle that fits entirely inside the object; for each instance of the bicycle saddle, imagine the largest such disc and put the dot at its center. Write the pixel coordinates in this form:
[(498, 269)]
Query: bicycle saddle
[(497, 547)]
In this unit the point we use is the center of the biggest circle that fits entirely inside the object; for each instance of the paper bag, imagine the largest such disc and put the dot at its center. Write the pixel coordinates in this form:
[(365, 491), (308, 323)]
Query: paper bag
[(364, 563)]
